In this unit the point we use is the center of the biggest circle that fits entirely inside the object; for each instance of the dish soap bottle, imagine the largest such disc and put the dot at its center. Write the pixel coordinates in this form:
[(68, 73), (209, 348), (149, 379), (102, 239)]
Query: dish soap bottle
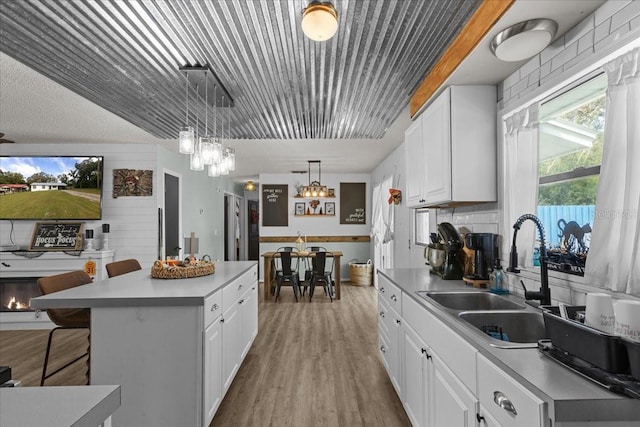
[(498, 280)]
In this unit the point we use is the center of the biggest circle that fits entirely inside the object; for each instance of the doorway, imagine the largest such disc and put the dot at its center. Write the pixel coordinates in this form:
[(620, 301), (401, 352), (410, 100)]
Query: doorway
[(232, 227), (253, 220), (171, 215)]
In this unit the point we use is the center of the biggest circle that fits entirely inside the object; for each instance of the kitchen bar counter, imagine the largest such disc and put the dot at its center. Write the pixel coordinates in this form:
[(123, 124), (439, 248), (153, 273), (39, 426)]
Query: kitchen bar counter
[(570, 396), (78, 406), (147, 335)]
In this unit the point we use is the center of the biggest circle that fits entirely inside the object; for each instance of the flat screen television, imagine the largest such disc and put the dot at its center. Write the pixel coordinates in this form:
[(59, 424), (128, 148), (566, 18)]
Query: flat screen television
[(51, 187)]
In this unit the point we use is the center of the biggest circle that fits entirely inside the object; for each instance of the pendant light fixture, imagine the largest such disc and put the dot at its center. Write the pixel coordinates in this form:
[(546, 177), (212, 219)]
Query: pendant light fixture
[(195, 161), (187, 135), (319, 21), (206, 146), (315, 189)]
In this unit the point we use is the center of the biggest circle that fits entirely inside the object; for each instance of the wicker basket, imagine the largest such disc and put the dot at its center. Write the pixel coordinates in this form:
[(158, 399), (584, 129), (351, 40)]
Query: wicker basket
[(361, 273), (200, 268)]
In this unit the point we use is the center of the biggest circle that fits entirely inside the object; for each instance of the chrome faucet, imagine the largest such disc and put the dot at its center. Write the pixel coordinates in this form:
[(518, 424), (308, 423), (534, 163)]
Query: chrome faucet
[(544, 294)]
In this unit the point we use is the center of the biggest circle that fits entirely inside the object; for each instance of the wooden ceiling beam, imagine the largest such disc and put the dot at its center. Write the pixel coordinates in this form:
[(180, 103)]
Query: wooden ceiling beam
[(485, 17)]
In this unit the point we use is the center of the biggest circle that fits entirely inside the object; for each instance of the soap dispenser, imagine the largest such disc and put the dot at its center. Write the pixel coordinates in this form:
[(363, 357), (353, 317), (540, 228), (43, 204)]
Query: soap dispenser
[(498, 280)]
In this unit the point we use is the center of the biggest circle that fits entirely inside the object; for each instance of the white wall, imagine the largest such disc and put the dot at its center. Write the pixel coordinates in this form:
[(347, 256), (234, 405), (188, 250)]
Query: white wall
[(320, 226), (133, 220)]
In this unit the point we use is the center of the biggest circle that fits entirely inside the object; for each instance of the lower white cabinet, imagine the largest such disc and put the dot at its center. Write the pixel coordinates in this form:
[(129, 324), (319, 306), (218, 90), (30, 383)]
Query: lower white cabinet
[(249, 303), (433, 396), (390, 328), (231, 344), (507, 402), (212, 370)]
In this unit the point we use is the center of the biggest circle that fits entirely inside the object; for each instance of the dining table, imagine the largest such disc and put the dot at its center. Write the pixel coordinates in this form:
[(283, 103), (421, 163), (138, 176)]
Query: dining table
[(269, 281)]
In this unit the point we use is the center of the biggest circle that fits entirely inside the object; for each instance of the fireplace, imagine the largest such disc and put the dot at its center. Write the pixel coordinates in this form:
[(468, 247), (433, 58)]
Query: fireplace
[(16, 293)]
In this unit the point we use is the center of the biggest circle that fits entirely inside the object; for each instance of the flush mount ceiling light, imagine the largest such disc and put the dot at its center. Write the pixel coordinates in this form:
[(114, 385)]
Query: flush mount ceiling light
[(250, 186), (523, 40), (319, 21)]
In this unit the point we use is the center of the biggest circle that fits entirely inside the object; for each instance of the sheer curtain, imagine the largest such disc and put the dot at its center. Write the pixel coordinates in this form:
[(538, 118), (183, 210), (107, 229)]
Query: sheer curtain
[(614, 256), (521, 180)]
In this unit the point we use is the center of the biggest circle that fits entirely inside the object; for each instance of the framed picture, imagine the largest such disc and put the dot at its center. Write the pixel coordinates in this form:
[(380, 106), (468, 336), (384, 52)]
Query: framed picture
[(300, 208), (329, 208), (57, 236)]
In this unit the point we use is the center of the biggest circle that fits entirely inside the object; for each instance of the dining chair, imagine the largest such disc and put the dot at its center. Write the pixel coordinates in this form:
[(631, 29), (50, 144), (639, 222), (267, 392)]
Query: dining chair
[(322, 273), (65, 318), (287, 272), (310, 265), (122, 267)]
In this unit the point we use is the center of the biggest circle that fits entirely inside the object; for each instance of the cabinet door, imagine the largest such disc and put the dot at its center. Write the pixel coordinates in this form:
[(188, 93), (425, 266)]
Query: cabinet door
[(231, 344), (212, 370), (415, 164), (453, 403), (436, 126), (417, 374), (249, 303), (395, 337)]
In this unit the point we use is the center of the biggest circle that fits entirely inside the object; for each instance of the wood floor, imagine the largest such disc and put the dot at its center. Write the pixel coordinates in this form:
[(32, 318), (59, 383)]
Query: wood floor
[(312, 364)]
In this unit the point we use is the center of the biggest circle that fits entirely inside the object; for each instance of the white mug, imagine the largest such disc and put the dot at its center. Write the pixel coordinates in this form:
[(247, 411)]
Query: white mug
[(628, 319), (599, 312)]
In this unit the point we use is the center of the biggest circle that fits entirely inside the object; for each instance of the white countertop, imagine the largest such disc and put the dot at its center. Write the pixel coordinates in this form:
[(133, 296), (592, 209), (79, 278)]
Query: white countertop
[(139, 289), (76, 406), (571, 397)]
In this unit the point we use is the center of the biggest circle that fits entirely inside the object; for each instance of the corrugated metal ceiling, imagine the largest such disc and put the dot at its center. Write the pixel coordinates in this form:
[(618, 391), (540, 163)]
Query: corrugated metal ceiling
[(125, 56)]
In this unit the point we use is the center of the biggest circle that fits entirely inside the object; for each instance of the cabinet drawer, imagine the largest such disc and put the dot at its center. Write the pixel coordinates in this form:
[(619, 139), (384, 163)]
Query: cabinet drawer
[(459, 354), (506, 400), (383, 314), (212, 308), (383, 347), (234, 290), (390, 293)]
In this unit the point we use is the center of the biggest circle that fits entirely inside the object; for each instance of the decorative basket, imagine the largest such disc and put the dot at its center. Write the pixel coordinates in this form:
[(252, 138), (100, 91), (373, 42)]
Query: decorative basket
[(189, 269), (361, 273)]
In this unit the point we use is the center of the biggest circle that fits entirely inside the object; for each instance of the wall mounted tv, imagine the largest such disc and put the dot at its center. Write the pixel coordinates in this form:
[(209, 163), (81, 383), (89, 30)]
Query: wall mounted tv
[(51, 187)]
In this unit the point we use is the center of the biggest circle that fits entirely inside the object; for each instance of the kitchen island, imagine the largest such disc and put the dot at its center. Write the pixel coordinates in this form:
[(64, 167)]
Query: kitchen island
[(417, 333), (173, 346)]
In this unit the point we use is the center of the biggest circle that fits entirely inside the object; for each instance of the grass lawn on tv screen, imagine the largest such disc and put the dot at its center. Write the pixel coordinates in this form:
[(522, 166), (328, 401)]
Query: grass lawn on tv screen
[(55, 204)]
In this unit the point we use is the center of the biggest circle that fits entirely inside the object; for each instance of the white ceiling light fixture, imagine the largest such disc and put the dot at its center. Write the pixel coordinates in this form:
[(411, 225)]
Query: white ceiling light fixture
[(319, 21), (523, 40)]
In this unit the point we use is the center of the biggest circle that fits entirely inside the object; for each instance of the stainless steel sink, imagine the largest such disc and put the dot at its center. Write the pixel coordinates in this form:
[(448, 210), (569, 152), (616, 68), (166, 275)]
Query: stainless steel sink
[(507, 328), (471, 300)]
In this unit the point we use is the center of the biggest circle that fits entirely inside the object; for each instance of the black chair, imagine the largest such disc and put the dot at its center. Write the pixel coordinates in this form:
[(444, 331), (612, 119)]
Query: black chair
[(322, 273), (310, 266), (65, 318), (287, 271)]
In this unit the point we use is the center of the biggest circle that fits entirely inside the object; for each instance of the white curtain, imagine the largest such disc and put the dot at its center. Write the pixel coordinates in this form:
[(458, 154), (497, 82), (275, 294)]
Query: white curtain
[(521, 181), (614, 255), (382, 225)]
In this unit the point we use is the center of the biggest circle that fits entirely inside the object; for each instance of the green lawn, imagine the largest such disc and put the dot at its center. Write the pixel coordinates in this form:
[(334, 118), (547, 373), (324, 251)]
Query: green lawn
[(47, 205)]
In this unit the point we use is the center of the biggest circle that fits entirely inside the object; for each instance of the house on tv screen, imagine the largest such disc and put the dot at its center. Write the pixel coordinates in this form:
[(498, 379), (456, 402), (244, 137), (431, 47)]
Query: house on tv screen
[(46, 186)]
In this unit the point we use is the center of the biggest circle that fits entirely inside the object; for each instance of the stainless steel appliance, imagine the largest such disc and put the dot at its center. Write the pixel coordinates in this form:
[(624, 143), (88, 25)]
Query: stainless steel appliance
[(452, 268)]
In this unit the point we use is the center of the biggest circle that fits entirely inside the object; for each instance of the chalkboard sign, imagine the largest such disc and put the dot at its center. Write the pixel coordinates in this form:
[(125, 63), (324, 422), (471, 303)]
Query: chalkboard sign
[(57, 236), (275, 205), (353, 203)]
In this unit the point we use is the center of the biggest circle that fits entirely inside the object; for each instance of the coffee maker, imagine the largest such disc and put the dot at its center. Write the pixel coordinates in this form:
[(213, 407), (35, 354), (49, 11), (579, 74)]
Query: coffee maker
[(452, 269), (485, 247)]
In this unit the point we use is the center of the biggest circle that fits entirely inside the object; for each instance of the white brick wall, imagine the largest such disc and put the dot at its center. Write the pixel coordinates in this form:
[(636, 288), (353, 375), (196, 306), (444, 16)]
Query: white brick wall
[(613, 25)]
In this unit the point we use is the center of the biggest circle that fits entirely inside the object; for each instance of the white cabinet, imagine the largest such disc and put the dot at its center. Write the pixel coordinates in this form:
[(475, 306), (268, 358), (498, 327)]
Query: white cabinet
[(389, 307), (240, 323), (455, 163), (452, 403), (507, 402), (415, 165), (212, 370), (418, 374)]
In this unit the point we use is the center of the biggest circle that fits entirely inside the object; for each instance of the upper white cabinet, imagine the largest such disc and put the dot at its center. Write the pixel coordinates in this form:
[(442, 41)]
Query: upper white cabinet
[(451, 152), (415, 162)]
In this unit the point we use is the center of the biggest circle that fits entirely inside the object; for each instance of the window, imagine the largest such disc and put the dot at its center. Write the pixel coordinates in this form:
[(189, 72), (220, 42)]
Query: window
[(570, 153)]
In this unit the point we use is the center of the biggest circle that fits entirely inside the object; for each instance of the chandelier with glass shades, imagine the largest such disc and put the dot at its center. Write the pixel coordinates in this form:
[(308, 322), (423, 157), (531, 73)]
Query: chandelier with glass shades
[(206, 150), (314, 189)]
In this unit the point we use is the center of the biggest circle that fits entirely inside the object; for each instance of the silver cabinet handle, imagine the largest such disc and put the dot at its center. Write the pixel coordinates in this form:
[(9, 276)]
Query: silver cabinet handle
[(382, 290), (394, 298), (382, 314), (239, 287), (241, 301), (383, 349), (503, 401), (214, 307)]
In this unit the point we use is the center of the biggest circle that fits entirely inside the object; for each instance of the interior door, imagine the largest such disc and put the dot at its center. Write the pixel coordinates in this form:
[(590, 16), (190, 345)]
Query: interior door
[(171, 215)]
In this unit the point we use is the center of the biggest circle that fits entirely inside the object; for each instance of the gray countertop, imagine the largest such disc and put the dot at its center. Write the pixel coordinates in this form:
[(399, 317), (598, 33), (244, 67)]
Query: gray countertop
[(76, 406), (570, 396), (139, 289)]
